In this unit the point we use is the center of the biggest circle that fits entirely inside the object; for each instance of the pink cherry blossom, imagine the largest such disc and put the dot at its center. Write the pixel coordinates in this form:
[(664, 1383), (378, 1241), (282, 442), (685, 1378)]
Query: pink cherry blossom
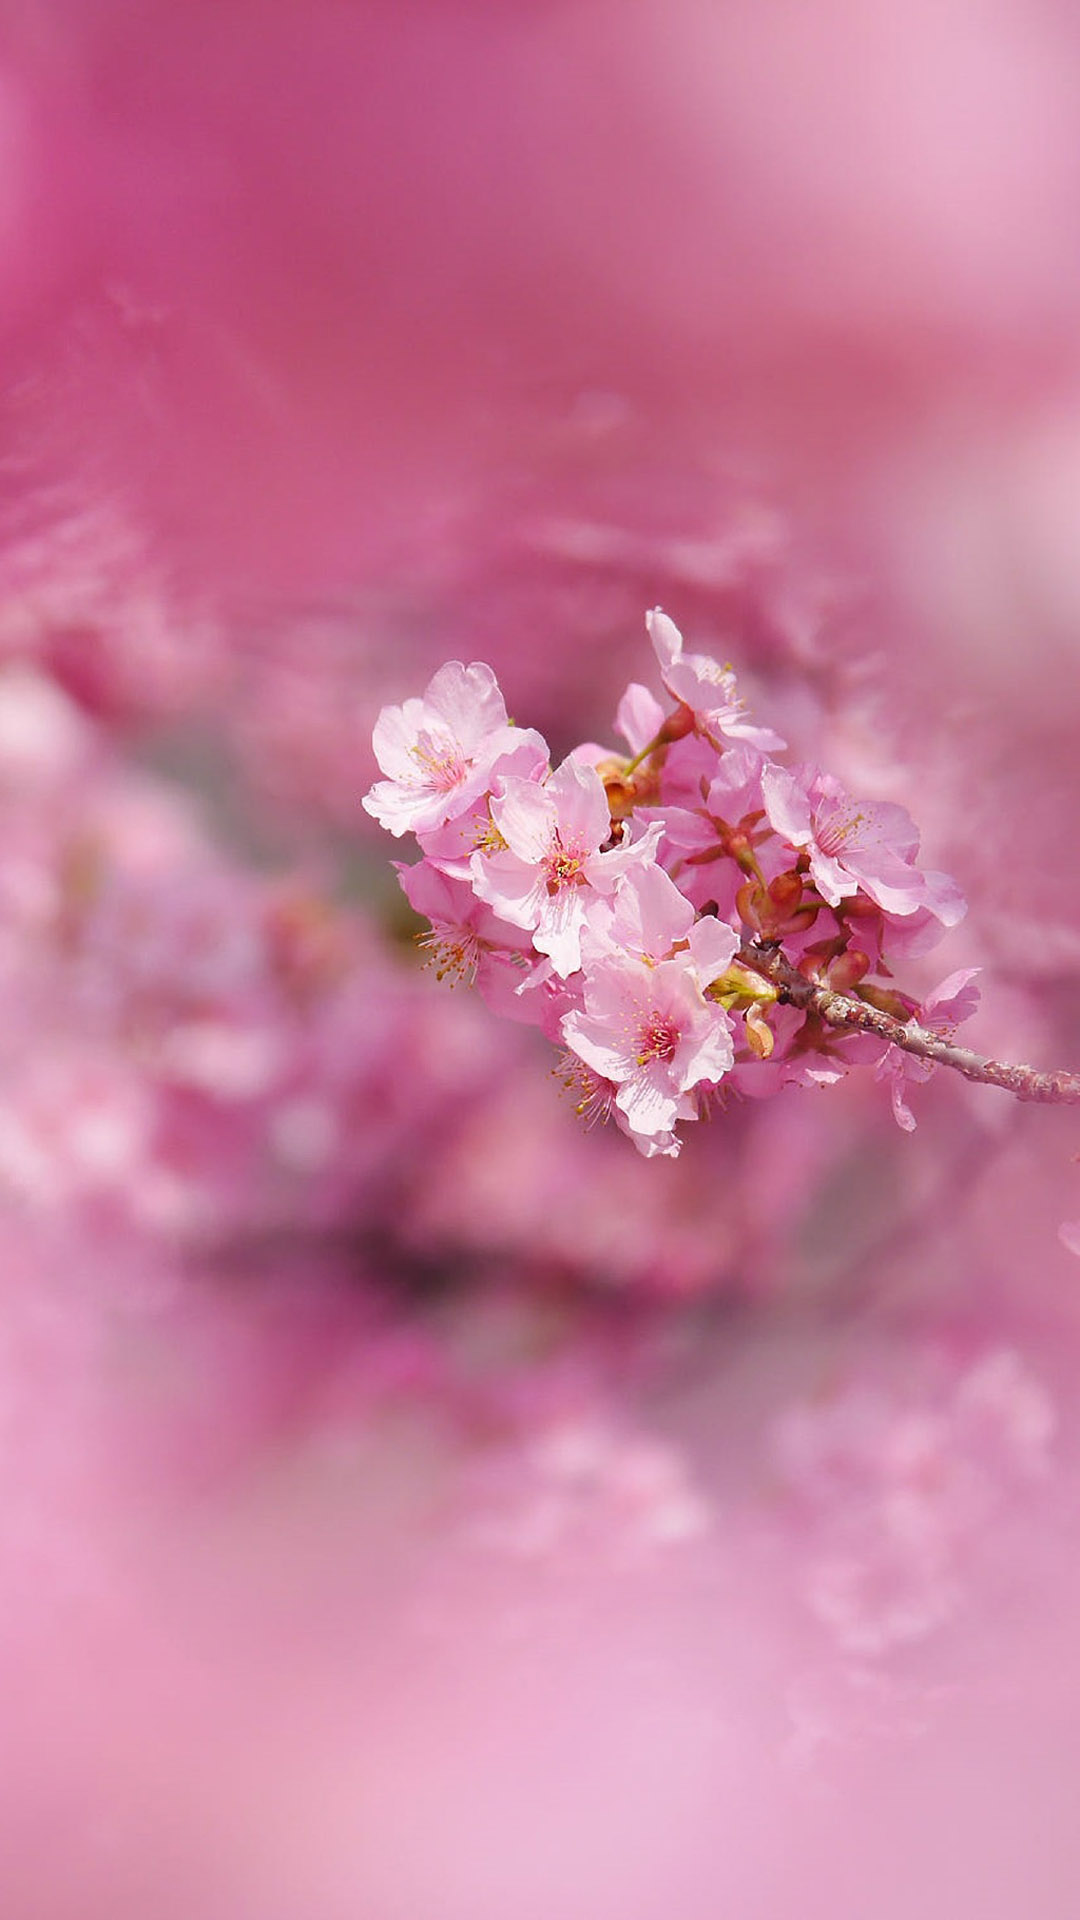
[(646, 917), (651, 1032), (467, 942), (852, 845), (707, 688), (552, 863), (450, 847), (439, 753)]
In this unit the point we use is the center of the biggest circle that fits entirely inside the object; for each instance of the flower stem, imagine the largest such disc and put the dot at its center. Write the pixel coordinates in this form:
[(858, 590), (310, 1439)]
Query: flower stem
[(842, 1011), (632, 765)]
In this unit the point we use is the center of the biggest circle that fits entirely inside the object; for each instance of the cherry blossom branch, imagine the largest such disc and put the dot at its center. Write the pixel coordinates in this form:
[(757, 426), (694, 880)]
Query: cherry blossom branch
[(653, 950), (845, 1013)]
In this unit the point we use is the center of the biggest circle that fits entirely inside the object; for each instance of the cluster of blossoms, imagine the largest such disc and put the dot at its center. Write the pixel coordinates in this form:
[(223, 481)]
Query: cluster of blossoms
[(651, 910)]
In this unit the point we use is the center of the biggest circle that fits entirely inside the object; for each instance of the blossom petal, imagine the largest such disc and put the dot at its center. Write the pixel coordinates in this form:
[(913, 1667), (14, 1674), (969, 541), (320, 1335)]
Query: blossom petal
[(558, 933), (393, 738), (468, 701), (592, 1040), (666, 639), (713, 945), (578, 794), (648, 1101), (639, 717), (787, 804), (526, 816)]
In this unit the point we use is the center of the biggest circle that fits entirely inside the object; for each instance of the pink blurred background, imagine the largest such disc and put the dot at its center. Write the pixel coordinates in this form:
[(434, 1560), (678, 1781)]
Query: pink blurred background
[(412, 1508)]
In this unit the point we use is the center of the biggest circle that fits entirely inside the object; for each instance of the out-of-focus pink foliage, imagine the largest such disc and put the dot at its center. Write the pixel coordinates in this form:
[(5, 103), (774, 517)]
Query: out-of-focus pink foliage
[(413, 1506)]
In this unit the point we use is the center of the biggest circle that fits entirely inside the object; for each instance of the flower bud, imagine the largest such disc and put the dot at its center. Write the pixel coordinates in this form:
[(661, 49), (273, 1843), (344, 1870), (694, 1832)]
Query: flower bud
[(846, 972), (786, 891), (759, 1034), (752, 905), (677, 725)]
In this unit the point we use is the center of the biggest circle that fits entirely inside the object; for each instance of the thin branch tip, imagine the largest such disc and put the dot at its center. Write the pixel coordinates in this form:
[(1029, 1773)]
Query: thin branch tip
[(847, 1014)]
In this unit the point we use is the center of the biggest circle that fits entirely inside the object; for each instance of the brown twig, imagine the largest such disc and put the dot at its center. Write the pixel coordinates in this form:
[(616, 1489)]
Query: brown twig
[(847, 1014)]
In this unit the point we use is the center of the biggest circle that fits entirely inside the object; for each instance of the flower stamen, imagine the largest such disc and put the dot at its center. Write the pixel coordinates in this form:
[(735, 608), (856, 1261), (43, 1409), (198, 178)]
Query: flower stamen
[(657, 1039)]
